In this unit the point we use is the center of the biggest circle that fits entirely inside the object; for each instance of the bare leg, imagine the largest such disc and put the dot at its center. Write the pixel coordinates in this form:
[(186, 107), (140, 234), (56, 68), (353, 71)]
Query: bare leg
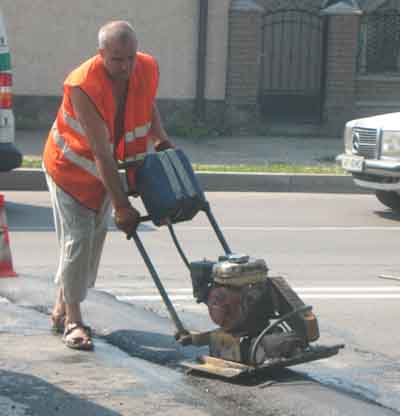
[(59, 306), (73, 313), (58, 313)]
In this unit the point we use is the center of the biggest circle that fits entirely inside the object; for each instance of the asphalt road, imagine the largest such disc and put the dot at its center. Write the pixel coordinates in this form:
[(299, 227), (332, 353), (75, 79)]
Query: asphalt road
[(330, 247)]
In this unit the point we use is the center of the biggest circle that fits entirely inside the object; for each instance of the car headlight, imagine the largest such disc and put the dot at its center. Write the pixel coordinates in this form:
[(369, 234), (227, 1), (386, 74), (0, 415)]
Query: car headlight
[(391, 143)]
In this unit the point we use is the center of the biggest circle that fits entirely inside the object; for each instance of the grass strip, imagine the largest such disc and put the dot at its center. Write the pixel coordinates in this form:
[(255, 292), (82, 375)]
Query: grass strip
[(272, 168)]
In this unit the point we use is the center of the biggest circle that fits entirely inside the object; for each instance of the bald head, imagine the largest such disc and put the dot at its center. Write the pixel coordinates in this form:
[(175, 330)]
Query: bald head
[(118, 47), (117, 31)]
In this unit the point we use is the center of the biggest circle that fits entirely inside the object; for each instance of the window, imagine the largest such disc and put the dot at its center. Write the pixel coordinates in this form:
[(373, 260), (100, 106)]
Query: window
[(379, 44)]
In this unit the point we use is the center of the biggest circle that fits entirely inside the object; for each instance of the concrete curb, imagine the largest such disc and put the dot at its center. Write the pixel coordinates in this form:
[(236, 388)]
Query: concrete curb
[(277, 182), (34, 180)]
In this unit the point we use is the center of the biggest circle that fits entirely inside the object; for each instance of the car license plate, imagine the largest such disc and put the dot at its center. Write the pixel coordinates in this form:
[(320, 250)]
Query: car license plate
[(353, 163)]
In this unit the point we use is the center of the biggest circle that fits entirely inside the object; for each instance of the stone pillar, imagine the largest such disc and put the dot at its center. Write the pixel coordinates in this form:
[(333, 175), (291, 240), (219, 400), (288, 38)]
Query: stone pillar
[(244, 62), (341, 60)]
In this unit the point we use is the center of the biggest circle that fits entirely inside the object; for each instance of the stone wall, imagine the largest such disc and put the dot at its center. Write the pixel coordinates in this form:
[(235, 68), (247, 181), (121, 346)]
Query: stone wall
[(244, 64), (340, 86), (377, 94)]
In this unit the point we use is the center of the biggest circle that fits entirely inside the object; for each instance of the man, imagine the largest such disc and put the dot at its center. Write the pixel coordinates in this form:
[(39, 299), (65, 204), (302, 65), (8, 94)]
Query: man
[(108, 113)]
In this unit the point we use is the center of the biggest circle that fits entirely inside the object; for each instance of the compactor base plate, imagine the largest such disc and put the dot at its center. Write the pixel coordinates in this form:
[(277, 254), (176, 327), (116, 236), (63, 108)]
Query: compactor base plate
[(231, 369)]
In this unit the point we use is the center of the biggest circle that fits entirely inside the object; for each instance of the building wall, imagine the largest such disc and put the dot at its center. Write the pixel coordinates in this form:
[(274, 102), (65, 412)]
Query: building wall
[(49, 38), (378, 88), (377, 94), (339, 105), (217, 48)]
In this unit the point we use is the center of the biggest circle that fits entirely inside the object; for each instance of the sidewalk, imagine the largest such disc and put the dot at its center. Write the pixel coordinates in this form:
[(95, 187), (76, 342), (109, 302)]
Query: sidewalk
[(306, 151), (228, 150)]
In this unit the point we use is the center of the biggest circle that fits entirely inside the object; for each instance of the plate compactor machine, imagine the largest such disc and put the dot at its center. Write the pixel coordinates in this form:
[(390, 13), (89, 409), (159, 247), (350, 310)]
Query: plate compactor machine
[(261, 322)]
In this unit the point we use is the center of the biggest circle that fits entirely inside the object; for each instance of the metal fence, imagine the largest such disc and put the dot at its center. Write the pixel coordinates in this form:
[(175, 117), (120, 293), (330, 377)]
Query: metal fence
[(379, 43)]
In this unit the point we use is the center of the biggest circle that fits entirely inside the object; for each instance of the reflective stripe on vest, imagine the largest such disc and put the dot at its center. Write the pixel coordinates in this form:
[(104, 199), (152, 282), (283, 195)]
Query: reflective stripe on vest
[(140, 131), (86, 164), (74, 124), (130, 136)]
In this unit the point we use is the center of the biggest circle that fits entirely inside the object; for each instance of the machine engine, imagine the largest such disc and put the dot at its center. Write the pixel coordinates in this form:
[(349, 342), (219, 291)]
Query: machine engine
[(243, 301)]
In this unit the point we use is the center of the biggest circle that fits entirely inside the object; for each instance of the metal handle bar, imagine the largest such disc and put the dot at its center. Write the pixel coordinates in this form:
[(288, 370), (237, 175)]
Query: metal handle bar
[(216, 229), (144, 218), (181, 331)]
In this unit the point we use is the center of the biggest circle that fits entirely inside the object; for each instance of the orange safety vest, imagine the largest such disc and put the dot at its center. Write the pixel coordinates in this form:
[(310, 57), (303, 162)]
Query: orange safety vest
[(68, 158)]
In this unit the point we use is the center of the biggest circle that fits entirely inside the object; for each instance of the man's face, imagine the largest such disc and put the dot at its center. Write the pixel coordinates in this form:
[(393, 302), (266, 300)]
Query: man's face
[(119, 58)]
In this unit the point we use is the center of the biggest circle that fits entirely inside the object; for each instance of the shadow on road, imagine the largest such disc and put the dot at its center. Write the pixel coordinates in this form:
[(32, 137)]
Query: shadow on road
[(27, 215), (20, 216), (151, 346), (26, 394)]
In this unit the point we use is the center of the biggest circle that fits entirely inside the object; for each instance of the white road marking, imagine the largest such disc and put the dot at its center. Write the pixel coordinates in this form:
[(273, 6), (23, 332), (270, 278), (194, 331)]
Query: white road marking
[(352, 296), (318, 289), (296, 228), (349, 289), (236, 228), (373, 292), (153, 298)]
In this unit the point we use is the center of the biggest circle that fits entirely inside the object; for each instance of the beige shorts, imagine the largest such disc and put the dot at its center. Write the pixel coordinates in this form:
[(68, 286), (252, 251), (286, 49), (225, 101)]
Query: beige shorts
[(81, 234)]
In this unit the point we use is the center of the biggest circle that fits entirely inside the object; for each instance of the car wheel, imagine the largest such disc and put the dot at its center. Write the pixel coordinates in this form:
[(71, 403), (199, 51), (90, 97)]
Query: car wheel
[(389, 198)]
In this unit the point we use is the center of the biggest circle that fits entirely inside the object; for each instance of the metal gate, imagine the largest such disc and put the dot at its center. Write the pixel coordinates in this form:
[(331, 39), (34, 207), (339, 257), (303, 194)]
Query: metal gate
[(293, 65), (379, 42)]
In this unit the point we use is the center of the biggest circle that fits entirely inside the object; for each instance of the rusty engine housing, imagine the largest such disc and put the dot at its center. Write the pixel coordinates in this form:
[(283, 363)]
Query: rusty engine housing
[(236, 291), (242, 299)]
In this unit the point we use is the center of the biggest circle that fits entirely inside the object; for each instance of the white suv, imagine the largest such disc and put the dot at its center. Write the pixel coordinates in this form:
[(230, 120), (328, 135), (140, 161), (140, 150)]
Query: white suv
[(372, 156), (10, 157)]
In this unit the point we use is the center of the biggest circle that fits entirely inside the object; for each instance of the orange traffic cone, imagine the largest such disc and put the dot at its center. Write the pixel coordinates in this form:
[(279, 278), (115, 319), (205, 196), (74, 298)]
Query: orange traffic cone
[(6, 267)]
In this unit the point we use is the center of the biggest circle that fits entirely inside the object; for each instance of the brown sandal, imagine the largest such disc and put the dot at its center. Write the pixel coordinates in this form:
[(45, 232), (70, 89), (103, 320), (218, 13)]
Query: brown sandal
[(57, 323), (78, 343)]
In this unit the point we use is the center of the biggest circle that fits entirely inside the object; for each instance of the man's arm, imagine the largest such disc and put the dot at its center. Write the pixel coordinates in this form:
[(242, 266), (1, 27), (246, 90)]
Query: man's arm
[(98, 137), (158, 133)]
